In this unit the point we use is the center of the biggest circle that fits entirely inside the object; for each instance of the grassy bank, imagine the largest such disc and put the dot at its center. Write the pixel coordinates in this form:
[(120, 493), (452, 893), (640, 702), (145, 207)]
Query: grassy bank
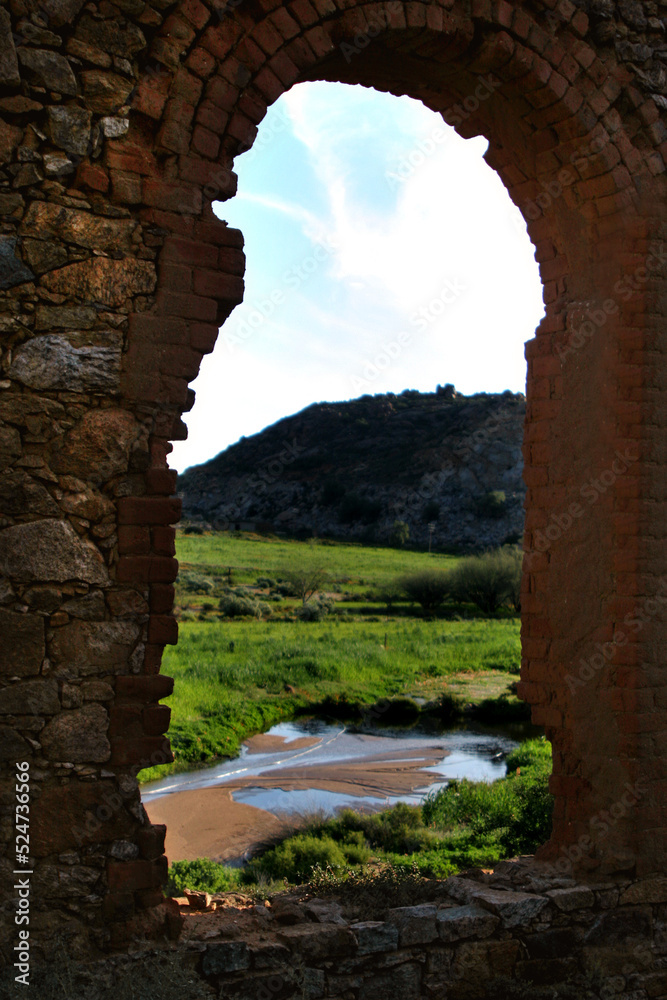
[(236, 678), (464, 825)]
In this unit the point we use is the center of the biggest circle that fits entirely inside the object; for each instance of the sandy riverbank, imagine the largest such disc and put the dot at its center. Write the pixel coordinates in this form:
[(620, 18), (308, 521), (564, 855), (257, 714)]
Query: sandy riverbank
[(208, 823)]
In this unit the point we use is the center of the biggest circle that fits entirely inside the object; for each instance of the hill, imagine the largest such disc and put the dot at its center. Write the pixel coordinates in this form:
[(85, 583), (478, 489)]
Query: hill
[(350, 470)]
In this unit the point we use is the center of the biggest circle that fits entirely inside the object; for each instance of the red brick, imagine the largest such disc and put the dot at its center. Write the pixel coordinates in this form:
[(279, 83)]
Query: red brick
[(218, 285), (212, 117), (155, 718), (149, 510), (173, 137), (267, 36), (153, 659), (150, 840), (151, 94), (133, 540), (203, 336), (195, 12), (126, 187), (243, 129), (304, 11), (140, 752), (205, 142), (146, 569), (163, 541), (161, 481), (184, 199), (219, 233), (196, 253), (131, 875), (269, 85), (176, 277), (200, 62), (187, 306), (161, 598), (92, 176)]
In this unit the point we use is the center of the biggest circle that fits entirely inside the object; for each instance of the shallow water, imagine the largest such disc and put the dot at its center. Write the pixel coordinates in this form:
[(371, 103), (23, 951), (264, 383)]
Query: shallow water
[(475, 753)]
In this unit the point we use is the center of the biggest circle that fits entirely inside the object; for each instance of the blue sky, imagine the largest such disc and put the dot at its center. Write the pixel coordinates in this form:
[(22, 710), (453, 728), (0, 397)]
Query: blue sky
[(383, 254)]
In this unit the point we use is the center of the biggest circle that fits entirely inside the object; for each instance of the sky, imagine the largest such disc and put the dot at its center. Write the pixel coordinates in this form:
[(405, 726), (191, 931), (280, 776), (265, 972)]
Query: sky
[(383, 254)]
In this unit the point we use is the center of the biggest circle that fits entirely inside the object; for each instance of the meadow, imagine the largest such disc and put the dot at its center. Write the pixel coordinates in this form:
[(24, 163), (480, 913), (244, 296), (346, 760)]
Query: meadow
[(238, 676)]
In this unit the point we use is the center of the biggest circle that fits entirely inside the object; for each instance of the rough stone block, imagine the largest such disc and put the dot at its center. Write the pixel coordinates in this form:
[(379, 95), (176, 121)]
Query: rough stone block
[(78, 736), (49, 550), (22, 648), (30, 698), (460, 922), (230, 956), (52, 363), (416, 924), (577, 897), (375, 936)]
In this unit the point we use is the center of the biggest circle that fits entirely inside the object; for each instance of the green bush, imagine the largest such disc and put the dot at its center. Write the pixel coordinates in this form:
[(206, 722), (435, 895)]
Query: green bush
[(492, 504), (315, 611), (489, 580), (428, 587), (296, 857), (202, 875), (234, 606), (195, 583)]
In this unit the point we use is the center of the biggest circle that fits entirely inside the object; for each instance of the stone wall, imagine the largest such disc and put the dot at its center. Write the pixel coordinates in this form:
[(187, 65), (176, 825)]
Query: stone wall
[(119, 124)]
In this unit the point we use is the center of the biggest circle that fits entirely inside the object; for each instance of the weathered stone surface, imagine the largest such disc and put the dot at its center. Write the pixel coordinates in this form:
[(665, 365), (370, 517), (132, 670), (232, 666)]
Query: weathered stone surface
[(10, 203), (401, 983), (64, 317), (10, 137), (650, 890), (318, 941), (12, 746), (102, 280), (58, 164), (617, 927), (96, 691), (478, 961), (35, 35), (513, 908), (105, 92), (10, 446), (9, 66), (77, 814), (45, 219), (89, 607), (61, 12), (12, 269), (374, 936), (460, 922), (22, 648), (78, 736), (69, 129), (42, 255), (50, 362), (230, 956), (110, 37), (94, 647), (49, 69), (576, 897), (559, 942), (126, 603), (416, 924), (49, 550), (99, 446), (30, 698), (19, 493), (114, 127)]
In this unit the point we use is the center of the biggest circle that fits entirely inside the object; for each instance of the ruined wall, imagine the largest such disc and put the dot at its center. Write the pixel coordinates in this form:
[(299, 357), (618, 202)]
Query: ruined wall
[(119, 125)]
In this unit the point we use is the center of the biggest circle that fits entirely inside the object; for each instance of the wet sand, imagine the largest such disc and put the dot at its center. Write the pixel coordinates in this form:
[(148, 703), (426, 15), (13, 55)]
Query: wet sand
[(268, 743), (208, 823)]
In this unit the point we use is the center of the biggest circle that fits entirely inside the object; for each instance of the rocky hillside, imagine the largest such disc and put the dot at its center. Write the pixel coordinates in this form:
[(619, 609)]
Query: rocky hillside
[(445, 464)]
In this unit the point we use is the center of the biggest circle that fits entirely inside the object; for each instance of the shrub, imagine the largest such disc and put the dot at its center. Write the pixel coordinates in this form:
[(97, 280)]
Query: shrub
[(195, 583), (428, 588), (234, 606), (314, 611), (202, 875), (488, 580), (492, 504), (296, 857), (265, 582)]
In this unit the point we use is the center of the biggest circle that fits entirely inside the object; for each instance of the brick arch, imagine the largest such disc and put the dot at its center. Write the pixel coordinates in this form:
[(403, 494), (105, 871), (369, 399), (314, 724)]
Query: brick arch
[(579, 144)]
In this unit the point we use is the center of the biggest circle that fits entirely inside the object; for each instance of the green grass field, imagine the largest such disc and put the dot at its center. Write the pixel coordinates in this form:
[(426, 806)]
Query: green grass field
[(237, 677)]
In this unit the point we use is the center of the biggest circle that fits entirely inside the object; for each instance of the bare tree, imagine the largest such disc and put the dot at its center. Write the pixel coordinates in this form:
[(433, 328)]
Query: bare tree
[(305, 580)]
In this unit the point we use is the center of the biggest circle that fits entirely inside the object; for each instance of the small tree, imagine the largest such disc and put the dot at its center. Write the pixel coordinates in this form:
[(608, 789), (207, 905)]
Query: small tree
[(428, 588), (305, 580), (488, 580), (400, 534)]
